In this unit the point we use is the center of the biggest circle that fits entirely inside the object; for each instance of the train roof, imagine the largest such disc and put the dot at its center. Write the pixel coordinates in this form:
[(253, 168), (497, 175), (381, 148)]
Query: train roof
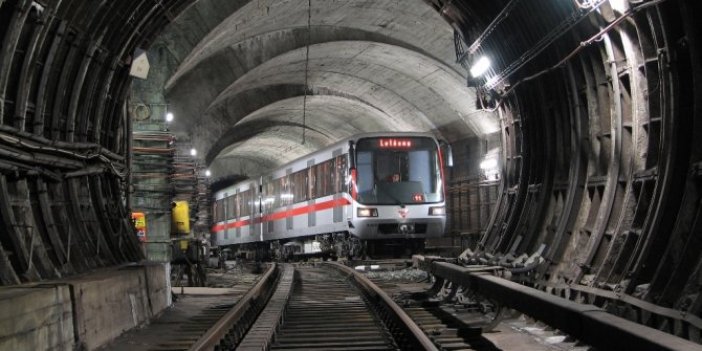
[(355, 137), (343, 143)]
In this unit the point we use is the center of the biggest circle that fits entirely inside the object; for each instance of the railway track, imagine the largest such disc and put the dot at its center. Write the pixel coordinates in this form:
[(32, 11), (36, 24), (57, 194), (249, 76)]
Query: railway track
[(325, 312), (191, 334), (329, 307)]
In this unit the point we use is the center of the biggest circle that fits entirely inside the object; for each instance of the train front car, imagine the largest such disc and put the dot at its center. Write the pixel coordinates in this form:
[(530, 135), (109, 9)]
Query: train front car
[(398, 190)]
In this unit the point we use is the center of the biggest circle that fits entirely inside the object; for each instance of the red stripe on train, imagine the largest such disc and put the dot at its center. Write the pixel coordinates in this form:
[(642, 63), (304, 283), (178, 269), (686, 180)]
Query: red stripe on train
[(285, 214)]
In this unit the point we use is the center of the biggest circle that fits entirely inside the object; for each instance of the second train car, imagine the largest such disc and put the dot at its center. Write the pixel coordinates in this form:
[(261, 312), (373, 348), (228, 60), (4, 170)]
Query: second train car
[(344, 200)]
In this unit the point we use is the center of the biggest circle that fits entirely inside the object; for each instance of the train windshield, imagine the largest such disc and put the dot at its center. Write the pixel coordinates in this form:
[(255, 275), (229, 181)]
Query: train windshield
[(398, 171)]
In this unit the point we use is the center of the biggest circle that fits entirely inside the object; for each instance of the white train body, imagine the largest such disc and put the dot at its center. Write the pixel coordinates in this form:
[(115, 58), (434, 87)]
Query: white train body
[(371, 186)]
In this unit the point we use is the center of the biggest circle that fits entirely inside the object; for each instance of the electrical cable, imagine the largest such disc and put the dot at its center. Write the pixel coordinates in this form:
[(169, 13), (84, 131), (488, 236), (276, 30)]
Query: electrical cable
[(555, 33), (595, 38), (307, 69)]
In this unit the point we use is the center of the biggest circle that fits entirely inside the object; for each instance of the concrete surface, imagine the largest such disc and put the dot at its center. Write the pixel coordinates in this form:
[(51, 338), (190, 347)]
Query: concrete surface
[(235, 75), (36, 318), (82, 312)]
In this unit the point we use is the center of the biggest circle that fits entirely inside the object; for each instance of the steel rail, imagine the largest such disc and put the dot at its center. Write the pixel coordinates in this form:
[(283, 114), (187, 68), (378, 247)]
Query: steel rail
[(584, 322), (217, 332), (415, 332)]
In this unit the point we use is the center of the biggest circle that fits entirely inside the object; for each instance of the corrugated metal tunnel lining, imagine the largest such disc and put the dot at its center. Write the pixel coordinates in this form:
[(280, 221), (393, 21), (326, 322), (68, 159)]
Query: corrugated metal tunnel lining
[(600, 154)]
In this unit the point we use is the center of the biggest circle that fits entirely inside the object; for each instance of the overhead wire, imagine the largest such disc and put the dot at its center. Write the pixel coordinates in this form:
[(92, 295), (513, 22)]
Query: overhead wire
[(555, 33), (583, 44), (307, 70)]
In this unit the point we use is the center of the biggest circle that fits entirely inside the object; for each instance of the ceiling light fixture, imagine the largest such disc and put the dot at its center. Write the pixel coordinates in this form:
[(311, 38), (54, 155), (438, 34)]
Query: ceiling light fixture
[(480, 67), (169, 117), (193, 152)]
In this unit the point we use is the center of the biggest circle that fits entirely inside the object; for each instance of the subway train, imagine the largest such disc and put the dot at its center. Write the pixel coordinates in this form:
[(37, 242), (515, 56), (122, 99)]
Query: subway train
[(363, 195)]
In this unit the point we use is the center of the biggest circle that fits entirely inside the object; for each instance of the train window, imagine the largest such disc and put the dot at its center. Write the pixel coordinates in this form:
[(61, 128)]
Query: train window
[(277, 186), (325, 178), (215, 206), (364, 164), (234, 206), (398, 171), (313, 180), (319, 179), (286, 195), (341, 170), (245, 203), (220, 210), (269, 196), (299, 186), (216, 211), (231, 207)]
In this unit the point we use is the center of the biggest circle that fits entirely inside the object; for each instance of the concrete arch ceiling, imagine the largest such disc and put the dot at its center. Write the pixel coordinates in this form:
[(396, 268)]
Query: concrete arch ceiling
[(329, 118), (244, 81)]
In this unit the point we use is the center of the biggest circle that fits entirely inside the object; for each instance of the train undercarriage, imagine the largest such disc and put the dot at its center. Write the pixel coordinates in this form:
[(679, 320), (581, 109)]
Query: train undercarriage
[(326, 246)]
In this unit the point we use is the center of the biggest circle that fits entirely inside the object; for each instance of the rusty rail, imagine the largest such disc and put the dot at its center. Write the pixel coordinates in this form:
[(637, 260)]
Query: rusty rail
[(587, 323), (241, 316), (412, 334)]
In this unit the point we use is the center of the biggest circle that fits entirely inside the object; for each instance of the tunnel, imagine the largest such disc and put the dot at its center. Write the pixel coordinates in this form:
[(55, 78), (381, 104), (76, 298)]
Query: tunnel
[(580, 142)]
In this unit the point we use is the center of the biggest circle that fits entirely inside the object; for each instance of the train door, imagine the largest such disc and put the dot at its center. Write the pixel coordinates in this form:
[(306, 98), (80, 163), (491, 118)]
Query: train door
[(226, 218), (236, 209), (259, 216), (251, 203), (289, 207), (340, 171)]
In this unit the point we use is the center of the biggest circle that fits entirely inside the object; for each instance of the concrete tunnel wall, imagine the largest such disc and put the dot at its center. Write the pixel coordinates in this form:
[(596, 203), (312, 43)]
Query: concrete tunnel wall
[(600, 141)]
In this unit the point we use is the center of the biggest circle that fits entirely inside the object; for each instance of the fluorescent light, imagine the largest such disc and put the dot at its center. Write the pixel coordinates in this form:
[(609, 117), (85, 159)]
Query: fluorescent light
[(488, 164), (618, 5), (193, 152), (169, 117), (208, 173), (480, 67)]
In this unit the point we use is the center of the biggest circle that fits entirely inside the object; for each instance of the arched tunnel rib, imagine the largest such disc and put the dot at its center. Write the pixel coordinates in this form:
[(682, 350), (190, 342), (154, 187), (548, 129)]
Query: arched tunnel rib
[(592, 107)]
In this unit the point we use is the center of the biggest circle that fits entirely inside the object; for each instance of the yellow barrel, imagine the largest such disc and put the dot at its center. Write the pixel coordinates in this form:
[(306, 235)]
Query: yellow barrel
[(180, 218)]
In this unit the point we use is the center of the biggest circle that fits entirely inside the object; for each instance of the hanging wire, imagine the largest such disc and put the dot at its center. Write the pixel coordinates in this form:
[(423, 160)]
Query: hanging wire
[(307, 70), (563, 27)]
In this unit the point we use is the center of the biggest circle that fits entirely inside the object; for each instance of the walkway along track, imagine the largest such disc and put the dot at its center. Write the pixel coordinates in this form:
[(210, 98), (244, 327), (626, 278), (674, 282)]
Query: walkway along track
[(328, 307)]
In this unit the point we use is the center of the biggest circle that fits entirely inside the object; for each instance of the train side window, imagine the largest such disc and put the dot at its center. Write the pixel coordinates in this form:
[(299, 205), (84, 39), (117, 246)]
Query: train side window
[(230, 211), (317, 184), (215, 208), (235, 206), (244, 203), (341, 170), (326, 175), (277, 187), (286, 194), (269, 195), (313, 180), (215, 211), (299, 186)]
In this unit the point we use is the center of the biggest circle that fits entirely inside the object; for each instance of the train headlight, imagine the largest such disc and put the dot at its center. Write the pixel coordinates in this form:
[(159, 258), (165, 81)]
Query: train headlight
[(437, 211), (367, 212)]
